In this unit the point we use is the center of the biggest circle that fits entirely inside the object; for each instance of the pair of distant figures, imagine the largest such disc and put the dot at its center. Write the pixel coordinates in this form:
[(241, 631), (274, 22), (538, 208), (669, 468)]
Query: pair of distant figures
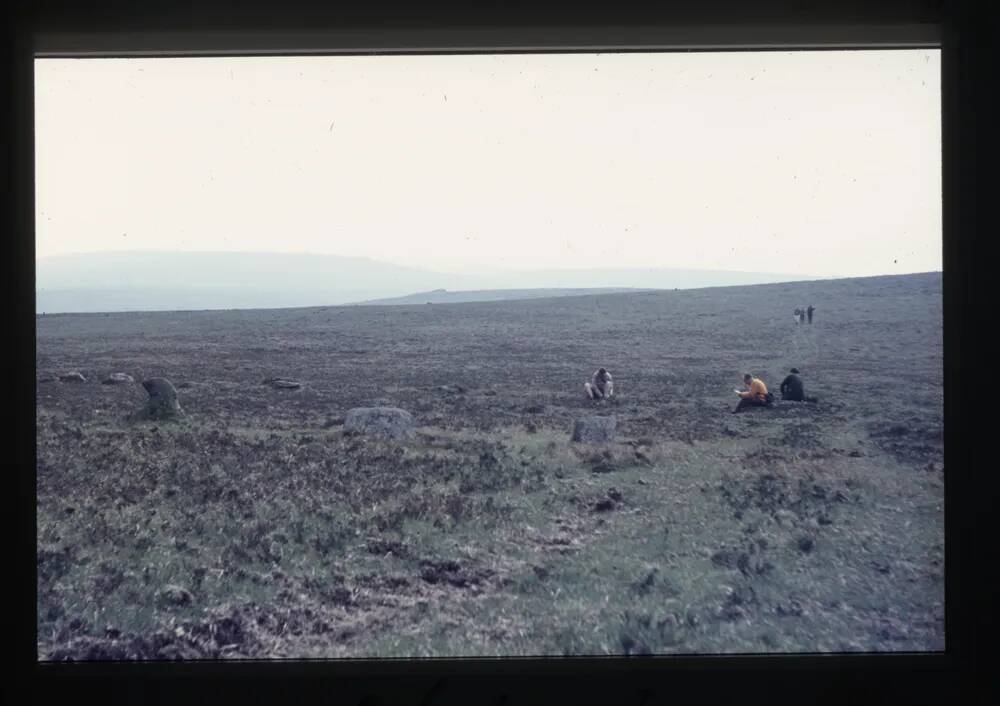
[(801, 314), (755, 393)]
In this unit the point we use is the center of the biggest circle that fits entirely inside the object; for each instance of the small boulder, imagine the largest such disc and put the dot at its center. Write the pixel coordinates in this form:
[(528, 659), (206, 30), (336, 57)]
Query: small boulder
[(390, 422), (604, 505), (603, 466), (594, 430), (174, 595), (74, 376), (163, 402), (117, 379), (889, 629), (786, 518)]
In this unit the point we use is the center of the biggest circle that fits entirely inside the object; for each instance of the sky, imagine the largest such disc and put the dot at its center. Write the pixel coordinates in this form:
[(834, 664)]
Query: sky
[(824, 164)]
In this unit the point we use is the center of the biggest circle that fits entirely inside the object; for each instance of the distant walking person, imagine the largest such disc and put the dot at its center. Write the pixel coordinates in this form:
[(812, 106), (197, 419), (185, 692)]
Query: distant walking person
[(797, 314), (755, 394), (810, 311), (802, 316), (600, 385)]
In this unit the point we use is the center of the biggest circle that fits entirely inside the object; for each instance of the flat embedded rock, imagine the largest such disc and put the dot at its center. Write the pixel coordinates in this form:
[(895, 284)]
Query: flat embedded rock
[(283, 383), (118, 379), (389, 422)]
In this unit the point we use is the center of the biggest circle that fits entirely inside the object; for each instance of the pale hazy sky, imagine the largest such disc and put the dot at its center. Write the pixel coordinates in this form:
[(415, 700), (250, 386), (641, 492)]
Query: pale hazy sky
[(814, 163)]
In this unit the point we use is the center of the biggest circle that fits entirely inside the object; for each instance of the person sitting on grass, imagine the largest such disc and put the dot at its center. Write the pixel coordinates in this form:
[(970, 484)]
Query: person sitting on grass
[(793, 390), (755, 394), (600, 385)]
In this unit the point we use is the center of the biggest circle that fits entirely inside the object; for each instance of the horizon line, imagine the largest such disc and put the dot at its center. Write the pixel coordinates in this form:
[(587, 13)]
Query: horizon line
[(433, 268)]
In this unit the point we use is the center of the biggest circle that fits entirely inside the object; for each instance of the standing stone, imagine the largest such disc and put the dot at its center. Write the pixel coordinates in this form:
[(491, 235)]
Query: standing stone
[(595, 430), (117, 379), (390, 422), (162, 399)]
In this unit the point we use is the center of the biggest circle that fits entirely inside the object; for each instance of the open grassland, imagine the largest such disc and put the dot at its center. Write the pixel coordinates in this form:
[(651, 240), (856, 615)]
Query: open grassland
[(255, 527)]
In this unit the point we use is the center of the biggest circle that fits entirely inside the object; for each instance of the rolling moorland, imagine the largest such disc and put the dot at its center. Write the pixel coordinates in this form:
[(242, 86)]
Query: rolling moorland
[(255, 527)]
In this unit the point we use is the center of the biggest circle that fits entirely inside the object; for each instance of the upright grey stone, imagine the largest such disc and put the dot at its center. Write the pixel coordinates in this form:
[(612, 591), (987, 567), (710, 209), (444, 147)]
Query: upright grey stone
[(390, 422), (595, 430), (162, 399)]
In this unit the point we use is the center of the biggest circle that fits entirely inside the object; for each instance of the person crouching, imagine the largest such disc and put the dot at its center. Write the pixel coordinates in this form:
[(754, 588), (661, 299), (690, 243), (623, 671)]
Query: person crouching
[(755, 394), (600, 385)]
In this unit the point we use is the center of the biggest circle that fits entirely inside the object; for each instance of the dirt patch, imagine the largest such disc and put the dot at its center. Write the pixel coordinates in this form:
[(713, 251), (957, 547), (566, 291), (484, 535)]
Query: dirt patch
[(913, 442), (451, 572), (789, 501)]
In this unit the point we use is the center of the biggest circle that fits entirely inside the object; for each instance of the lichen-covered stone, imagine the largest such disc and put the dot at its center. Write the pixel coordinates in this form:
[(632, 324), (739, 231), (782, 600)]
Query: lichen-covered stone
[(595, 430), (389, 422)]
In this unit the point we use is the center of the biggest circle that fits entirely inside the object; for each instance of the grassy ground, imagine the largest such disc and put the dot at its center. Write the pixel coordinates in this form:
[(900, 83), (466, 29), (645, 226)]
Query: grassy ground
[(256, 528)]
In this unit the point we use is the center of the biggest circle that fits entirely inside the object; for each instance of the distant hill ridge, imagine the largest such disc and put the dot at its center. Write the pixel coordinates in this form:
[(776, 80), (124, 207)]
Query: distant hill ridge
[(444, 296), (165, 281)]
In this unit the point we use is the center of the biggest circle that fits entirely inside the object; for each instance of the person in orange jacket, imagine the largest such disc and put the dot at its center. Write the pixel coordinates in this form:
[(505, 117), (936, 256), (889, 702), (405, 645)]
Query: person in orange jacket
[(755, 394)]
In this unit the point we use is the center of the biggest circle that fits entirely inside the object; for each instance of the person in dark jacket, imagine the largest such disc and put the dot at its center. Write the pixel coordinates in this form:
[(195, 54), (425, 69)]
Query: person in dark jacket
[(810, 311), (792, 388)]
